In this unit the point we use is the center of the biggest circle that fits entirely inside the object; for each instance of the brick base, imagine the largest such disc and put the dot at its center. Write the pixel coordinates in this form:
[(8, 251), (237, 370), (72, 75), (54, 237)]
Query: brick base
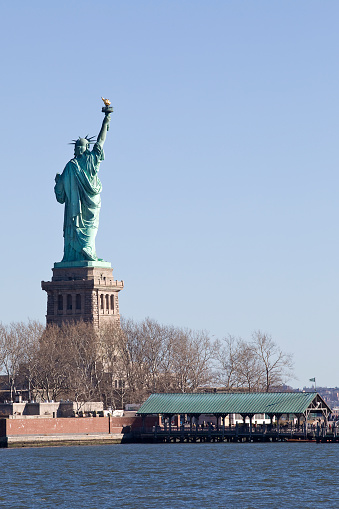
[(89, 294)]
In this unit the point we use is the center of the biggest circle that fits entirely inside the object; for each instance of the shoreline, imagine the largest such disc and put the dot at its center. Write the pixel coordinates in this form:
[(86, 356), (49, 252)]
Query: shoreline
[(20, 441)]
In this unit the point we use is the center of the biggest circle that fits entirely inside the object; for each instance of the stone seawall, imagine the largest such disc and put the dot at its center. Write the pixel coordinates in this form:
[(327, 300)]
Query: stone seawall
[(64, 431)]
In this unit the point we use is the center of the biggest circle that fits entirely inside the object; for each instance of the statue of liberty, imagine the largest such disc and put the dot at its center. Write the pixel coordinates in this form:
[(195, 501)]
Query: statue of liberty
[(79, 187)]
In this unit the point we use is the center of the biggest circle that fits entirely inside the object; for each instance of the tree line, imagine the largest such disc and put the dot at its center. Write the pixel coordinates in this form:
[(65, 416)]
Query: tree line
[(126, 363)]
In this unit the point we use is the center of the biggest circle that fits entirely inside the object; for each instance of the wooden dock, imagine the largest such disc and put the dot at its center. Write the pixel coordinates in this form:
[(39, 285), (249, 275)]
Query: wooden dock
[(238, 433)]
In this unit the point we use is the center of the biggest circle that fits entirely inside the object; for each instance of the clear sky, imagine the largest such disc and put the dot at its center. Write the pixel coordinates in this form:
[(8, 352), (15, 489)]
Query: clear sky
[(220, 183)]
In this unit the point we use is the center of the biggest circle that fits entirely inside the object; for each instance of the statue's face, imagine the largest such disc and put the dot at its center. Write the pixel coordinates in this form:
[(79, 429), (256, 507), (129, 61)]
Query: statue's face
[(80, 148)]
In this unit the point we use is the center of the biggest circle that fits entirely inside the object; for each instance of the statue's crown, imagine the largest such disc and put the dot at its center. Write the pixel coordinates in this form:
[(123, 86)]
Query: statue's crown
[(83, 141)]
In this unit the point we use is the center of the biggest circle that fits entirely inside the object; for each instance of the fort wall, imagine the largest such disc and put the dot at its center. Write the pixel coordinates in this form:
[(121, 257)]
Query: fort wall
[(35, 431)]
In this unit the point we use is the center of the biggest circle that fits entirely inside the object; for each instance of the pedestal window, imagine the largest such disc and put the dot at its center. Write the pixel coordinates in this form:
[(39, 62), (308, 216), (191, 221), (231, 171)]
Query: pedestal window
[(60, 302), (69, 302)]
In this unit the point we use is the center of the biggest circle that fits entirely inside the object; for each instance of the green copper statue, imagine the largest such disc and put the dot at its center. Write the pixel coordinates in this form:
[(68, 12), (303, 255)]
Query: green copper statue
[(79, 187)]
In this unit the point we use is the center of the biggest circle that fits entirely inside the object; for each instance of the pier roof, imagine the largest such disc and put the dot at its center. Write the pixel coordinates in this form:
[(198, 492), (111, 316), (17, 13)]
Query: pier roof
[(273, 403)]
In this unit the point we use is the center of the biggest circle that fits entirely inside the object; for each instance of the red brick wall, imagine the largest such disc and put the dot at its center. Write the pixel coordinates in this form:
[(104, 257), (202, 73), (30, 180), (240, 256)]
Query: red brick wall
[(42, 426), (53, 426), (121, 424)]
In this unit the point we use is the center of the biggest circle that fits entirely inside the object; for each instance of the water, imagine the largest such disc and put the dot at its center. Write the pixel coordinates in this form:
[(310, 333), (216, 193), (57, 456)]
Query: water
[(249, 475)]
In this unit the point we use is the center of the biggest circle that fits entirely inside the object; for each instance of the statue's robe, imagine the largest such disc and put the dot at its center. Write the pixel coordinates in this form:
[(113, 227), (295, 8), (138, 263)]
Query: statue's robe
[(79, 189)]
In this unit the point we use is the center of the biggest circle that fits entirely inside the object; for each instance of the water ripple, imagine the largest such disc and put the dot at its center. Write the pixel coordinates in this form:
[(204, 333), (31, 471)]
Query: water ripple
[(162, 475)]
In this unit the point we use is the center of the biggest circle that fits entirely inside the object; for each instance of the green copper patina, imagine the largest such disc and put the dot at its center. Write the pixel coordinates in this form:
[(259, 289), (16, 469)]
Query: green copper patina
[(79, 187)]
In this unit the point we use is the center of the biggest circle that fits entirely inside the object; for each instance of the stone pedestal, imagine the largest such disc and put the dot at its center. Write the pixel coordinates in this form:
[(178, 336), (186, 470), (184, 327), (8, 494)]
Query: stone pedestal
[(82, 291)]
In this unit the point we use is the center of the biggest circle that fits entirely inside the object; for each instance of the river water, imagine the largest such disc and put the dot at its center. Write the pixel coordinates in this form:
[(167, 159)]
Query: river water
[(209, 475)]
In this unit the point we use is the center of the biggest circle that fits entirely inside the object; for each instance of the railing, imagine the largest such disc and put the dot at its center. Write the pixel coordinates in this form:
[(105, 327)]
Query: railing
[(319, 432)]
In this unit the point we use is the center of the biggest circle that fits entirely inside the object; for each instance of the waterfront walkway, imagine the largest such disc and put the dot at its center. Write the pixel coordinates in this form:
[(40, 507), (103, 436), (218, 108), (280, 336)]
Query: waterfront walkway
[(239, 433)]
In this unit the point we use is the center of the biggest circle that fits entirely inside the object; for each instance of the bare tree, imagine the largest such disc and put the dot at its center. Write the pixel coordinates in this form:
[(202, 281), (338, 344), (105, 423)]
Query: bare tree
[(163, 358), (133, 361), (84, 361), (276, 366), (228, 354), (170, 347), (127, 362), (152, 338), (67, 363), (113, 350), (192, 356), (238, 364), (32, 332), (3, 332), (48, 365), (253, 365), (16, 342), (248, 369)]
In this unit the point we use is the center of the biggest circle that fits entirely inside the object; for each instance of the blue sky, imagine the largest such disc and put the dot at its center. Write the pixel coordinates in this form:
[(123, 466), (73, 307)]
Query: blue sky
[(220, 184)]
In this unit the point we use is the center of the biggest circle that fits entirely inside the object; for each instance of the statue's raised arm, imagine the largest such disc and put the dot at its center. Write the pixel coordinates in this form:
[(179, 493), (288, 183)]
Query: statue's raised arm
[(107, 109)]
